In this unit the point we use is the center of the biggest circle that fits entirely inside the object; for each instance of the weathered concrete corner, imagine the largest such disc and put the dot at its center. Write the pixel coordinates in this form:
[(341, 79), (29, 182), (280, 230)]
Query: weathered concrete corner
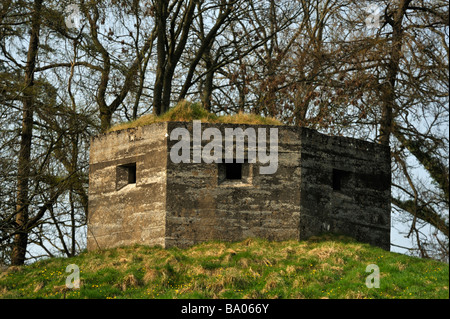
[(133, 213), (137, 194)]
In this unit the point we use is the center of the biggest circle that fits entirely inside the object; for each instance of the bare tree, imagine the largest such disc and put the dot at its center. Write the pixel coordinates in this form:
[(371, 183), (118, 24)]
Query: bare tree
[(22, 206)]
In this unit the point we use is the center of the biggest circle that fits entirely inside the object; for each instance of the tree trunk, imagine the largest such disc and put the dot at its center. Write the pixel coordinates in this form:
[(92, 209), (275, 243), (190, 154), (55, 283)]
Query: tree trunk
[(168, 59), (23, 173), (208, 84), (161, 15), (393, 67)]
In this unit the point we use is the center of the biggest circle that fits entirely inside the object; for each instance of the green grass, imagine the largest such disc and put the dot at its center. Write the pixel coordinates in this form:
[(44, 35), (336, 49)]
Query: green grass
[(328, 267), (186, 111)]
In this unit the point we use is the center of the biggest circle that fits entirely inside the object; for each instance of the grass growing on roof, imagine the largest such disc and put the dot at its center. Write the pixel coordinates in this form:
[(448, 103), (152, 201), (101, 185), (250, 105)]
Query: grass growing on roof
[(186, 111)]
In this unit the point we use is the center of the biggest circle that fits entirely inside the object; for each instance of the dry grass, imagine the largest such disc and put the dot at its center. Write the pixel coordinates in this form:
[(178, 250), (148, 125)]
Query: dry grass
[(185, 111), (323, 253), (129, 281), (150, 275)]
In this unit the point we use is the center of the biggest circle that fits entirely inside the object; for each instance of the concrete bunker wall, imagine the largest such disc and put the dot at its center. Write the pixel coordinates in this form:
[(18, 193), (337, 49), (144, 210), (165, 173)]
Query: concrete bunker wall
[(122, 212), (203, 205), (345, 188)]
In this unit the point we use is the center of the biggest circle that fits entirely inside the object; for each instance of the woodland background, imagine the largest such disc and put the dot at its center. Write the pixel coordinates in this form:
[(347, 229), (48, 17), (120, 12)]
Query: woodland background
[(376, 70)]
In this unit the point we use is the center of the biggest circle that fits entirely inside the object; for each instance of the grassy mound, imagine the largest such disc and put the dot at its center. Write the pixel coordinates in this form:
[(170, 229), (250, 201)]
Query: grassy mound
[(185, 111), (254, 268)]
